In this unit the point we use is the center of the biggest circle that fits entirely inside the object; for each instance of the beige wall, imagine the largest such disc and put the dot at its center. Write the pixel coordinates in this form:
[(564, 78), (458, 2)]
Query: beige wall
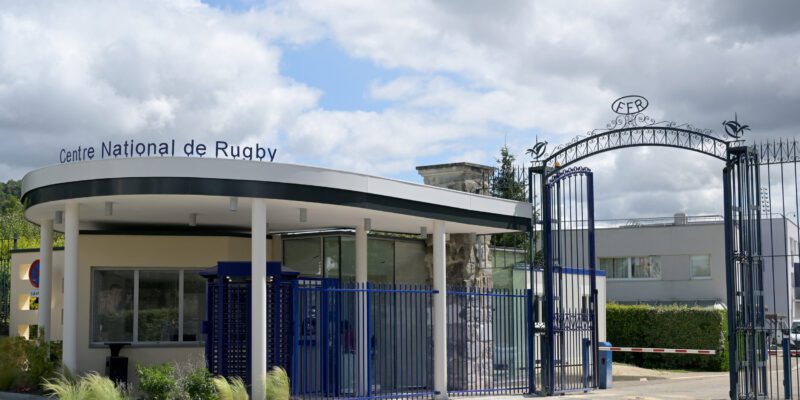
[(125, 251), (21, 319)]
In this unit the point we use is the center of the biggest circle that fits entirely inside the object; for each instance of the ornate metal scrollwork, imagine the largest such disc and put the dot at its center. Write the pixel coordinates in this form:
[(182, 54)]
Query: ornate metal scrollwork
[(633, 128)]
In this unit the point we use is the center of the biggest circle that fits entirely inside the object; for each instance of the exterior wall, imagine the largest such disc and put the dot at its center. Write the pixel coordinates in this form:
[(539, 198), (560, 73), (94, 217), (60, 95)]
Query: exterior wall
[(126, 251), (675, 244), (20, 319)]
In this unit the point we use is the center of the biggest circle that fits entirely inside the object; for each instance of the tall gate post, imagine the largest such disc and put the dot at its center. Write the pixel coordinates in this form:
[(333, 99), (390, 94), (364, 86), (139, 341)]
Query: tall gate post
[(731, 283), (532, 283), (548, 354), (593, 278)]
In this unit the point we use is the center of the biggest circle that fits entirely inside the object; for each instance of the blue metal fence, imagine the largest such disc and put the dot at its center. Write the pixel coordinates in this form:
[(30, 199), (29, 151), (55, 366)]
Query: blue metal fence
[(487, 341), (362, 340), (228, 330)]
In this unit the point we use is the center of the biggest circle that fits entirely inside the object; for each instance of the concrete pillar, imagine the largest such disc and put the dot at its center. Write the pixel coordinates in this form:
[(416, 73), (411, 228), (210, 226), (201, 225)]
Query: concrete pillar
[(45, 276), (363, 342), (258, 273), (439, 311), (70, 334)]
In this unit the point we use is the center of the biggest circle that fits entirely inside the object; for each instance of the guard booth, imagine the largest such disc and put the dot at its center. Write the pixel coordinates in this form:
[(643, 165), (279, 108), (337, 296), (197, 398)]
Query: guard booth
[(228, 316)]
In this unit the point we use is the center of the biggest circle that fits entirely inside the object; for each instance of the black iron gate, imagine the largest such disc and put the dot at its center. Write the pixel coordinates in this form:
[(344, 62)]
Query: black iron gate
[(570, 348), (745, 275), (761, 219)]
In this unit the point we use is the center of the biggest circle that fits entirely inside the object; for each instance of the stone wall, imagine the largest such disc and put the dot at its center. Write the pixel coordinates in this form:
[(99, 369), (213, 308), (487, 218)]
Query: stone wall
[(469, 264)]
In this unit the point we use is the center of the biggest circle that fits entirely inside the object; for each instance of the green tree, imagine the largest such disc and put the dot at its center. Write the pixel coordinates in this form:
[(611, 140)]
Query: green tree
[(509, 183)]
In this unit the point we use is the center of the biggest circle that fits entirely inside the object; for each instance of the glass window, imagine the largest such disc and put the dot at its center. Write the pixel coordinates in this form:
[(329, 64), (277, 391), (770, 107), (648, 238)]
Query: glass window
[(158, 306), (303, 255), (646, 267), (194, 305), (380, 264), (332, 256), (701, 266), (348, 265), (410, 262), (615, 268), (112, 302)]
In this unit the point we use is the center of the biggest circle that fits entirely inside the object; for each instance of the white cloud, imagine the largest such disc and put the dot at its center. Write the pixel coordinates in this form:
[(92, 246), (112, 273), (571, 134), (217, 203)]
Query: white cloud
[(467, 73), (84, 72)]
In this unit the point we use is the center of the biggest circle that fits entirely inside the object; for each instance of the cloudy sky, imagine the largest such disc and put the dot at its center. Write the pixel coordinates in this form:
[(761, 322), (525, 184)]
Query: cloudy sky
[(381, 87)]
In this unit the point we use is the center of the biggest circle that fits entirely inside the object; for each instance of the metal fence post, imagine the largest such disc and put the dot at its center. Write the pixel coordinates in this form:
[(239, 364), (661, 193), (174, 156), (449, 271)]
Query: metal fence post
[(787, 368), (530, 291), (730, 275)]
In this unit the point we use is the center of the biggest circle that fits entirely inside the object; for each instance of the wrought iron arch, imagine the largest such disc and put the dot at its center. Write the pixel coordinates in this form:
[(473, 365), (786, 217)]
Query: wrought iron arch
[(660, 136), (636, 129)]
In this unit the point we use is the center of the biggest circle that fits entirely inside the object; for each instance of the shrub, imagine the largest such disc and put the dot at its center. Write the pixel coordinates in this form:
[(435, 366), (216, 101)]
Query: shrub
[(25, 364), (199, 385), (157, 382), (90, 387), (13, 352), (65, 388), (277, 384), (233, 390), (669, 327)]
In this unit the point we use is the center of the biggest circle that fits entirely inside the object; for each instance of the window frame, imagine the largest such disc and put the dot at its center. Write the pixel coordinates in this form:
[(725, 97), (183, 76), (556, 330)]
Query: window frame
[(135, 334), (691, 268), (629, 268)]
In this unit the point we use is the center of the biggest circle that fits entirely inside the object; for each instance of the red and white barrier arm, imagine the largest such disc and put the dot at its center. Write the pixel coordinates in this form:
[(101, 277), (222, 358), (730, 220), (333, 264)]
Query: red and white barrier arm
[(794, 353), (659, 350)]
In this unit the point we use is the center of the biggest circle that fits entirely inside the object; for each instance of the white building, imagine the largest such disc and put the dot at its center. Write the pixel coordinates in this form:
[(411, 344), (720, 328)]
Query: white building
[(682, 260)]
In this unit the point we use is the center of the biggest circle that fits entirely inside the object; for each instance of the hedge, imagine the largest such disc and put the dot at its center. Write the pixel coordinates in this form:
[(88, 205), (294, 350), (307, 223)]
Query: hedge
[(669, 327)]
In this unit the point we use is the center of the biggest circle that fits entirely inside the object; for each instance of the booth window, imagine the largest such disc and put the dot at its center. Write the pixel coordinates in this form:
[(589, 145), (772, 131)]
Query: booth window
[(147, 305)]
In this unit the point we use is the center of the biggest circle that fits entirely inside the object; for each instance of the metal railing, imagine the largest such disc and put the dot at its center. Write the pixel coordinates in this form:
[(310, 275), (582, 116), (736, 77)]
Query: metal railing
[(362, 340), (487, 342)]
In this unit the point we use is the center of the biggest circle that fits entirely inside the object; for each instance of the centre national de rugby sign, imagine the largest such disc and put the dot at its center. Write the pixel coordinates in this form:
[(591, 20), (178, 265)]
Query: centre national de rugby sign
[(171, 148)]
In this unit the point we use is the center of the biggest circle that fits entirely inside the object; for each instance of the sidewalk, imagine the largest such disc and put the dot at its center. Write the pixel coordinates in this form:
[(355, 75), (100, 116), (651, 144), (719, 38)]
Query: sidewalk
[(633, 383)]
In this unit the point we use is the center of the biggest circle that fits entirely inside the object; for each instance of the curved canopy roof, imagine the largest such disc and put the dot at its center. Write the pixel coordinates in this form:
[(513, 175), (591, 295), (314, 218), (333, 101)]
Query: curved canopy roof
[(161, 194)]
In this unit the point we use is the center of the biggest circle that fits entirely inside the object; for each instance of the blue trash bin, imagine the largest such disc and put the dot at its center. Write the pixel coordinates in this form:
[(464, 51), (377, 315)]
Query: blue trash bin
[(604, 374)]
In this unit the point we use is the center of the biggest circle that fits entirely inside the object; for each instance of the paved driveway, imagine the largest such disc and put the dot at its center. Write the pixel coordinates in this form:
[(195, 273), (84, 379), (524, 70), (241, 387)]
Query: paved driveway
[(632, 383)]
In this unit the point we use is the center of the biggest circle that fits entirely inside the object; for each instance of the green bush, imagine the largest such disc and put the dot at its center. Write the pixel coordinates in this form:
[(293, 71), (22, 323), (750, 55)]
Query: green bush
[(90, 387), (25, 364), (669, 327), (157, 382), (199, 385), (230, 390), (13, 352), (277, 384)]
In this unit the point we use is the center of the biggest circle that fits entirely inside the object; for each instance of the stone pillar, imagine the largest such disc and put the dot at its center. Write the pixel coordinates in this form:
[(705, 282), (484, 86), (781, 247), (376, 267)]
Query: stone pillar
[(464, 177), (258, 305), (468, 265), (45, 277)]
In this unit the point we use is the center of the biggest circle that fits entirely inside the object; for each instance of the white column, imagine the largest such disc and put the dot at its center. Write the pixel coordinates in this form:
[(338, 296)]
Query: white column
[(258, 273), (439, 311), (70, 334), (362, 380), (45, 276)]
